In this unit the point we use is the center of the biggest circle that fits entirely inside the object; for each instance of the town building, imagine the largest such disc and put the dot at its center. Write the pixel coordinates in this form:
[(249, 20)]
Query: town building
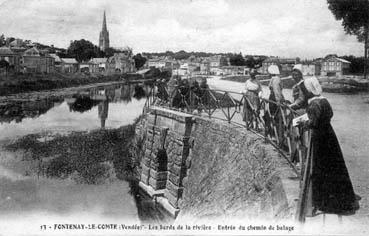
[(36, 61), (286, 64), (12, 58), (335, 66), (120, 63), (217, 61), (69, 65), (158, 63), (58, 62), (98, 64), (235, 70), (162, 63), (311, 68), (104, 36), (205, 67)]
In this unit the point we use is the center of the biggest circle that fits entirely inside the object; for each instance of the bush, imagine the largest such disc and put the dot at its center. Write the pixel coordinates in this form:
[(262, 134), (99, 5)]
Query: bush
[(87, 157)]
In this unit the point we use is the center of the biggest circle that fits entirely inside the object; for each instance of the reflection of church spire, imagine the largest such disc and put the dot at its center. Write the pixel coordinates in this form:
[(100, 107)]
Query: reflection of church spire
[(103, 109)]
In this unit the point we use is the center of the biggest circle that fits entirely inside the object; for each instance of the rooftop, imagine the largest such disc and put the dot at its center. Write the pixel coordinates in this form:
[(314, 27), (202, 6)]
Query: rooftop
[(98, 60), (69, 60), (6, 51), (56, 57)]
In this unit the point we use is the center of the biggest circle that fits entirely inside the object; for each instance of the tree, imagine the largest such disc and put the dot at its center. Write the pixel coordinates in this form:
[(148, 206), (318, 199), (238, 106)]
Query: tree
[(356, 65), (5, 65), (250, 62), (82, 50), (139, 60), (355, 19), (2, 40), (237, 60), (9, 40)]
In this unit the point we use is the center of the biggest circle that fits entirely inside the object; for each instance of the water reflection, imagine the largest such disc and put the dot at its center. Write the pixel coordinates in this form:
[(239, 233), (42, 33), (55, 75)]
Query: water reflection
[(81, 102), (19, 110), (98, 107)]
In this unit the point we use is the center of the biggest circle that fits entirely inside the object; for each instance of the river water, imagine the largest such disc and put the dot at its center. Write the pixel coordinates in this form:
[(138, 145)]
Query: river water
[(32, 201)]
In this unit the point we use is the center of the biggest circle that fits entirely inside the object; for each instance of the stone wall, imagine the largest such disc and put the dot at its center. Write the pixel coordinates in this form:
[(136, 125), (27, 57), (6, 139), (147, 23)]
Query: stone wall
[(210, 169), (231, 172)]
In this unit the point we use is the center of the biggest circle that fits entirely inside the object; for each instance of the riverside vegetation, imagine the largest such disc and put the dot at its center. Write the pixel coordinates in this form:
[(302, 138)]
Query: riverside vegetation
[(86, 157), (19, 83)]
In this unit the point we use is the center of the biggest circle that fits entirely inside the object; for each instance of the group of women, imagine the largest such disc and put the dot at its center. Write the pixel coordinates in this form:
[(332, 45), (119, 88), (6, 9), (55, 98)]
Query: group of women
[(330, 189)]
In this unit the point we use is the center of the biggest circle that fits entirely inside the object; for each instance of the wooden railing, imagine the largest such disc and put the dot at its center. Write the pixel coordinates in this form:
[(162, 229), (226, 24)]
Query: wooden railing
[(269, 119)]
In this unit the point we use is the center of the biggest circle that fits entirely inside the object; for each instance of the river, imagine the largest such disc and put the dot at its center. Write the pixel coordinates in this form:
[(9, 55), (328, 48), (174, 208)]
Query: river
[(31, 201)]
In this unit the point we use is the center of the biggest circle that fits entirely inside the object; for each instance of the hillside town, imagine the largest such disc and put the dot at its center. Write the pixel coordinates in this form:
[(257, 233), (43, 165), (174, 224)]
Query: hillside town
[(24, 56)]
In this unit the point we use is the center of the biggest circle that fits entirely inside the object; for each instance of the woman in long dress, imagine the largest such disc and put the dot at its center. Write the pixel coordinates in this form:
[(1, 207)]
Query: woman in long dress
[(253, 92), (276, 95), (330, 187)]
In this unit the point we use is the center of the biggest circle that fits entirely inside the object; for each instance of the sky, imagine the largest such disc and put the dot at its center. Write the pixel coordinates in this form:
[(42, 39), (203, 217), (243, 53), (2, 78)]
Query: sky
[(285, 28)]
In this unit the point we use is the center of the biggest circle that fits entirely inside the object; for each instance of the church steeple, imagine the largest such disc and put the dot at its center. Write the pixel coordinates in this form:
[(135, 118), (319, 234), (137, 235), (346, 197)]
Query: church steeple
[(104, 28), (104, 36)]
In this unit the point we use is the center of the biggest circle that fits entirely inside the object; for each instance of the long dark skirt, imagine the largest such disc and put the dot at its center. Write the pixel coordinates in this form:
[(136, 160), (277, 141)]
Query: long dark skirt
[(277, 118), (331, 187), (248, 112)]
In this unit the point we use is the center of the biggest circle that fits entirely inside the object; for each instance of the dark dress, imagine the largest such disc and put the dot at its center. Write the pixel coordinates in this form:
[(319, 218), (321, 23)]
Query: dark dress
[(331, 188)]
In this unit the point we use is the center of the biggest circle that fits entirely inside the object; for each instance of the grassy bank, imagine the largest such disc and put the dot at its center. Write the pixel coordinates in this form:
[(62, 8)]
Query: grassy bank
[(264, 80), (20, 83), (86, 157)]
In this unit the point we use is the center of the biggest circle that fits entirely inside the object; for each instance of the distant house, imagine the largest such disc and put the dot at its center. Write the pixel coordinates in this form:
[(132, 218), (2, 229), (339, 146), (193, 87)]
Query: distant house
[(311, 68), (99, 64), (34, 60), (286, 64), (69, 65), (205, 67), (58, 62), (6, 54), (95, 65), (16, 43), (162, 63), (120, 63), (217, 61), (235, 70), (335, 66)]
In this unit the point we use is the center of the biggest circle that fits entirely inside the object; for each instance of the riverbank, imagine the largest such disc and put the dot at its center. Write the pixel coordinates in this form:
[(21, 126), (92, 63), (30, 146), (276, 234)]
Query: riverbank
[(20, 83), (85, 157), (346, 84), (288, 82)]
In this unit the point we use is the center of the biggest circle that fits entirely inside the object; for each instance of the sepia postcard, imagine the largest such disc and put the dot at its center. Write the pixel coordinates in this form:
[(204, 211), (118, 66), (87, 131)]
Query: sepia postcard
[(184, 117)]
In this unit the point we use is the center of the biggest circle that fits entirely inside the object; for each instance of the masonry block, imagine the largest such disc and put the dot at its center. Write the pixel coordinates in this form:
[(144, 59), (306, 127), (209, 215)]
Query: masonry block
[(157, 184), (173, 200), (146, 160), (174, 190), (176, 169), (151, 118), (155, 166), (145, 170), (158, 175), (145, 179), (175, 179)]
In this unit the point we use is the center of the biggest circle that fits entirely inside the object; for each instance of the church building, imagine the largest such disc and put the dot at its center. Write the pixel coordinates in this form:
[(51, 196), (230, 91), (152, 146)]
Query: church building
[(104, 36)]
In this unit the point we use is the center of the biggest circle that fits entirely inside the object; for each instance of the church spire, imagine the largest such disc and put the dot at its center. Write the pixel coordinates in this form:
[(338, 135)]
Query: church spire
[(104, 36), (104, 28)]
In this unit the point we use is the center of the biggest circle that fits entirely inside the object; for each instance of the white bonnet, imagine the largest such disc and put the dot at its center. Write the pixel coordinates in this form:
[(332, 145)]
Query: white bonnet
[(312, 85), (273, 69)]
